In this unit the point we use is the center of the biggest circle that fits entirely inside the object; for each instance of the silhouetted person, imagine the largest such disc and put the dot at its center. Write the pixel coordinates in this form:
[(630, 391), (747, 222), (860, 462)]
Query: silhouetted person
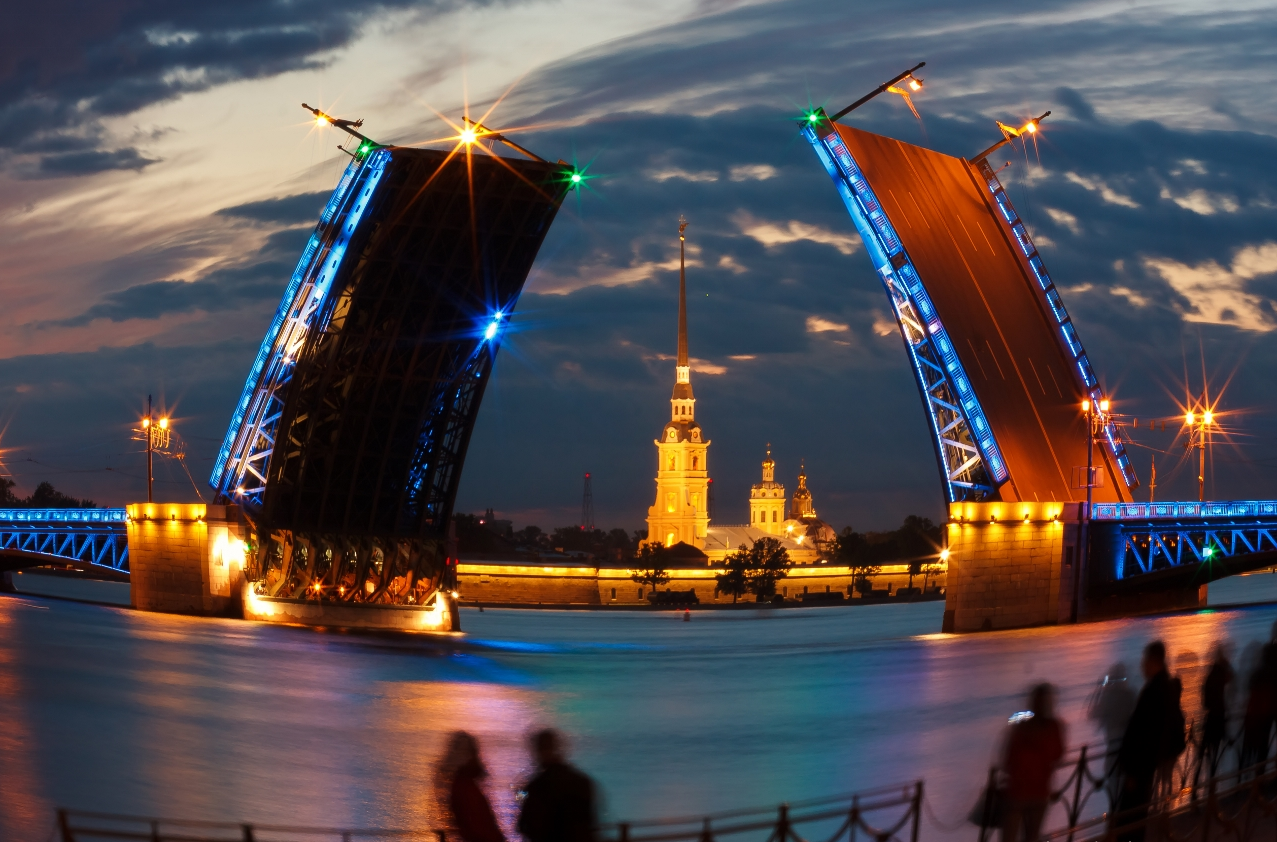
[(1034, 745), (1261, 707), (1111, 706), (1215, 704), (459, 778), (560, 805), (1150, 740)]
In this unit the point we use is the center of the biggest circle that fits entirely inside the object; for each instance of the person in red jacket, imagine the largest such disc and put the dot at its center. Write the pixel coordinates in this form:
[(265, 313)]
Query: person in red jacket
[(460, 777), (1034, 745)]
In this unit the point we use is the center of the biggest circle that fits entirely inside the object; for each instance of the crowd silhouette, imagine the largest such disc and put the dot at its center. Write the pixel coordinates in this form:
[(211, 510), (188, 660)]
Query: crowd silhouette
[(559, 803)]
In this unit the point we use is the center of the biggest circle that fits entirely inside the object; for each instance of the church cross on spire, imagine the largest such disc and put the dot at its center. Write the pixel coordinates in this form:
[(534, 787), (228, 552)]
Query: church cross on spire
[(682, 294)]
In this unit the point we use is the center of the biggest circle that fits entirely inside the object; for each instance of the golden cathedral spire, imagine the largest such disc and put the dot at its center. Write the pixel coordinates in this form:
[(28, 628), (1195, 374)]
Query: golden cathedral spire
[(682, 476)]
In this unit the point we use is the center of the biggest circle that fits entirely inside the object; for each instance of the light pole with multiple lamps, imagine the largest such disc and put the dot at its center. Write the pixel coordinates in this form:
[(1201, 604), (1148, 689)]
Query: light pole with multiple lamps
[(1096, 418), (1198, 424)]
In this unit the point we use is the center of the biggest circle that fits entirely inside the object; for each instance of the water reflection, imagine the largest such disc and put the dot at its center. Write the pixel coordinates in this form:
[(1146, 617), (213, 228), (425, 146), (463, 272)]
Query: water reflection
[(111, 709)]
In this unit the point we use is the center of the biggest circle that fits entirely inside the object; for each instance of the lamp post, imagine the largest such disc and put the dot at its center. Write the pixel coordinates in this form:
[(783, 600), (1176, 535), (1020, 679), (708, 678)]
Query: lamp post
[(1095, 416), (156, 435), (1198, 429)]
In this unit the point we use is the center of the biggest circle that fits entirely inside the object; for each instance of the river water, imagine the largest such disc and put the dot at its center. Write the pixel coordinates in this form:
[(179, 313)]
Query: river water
[(109, 709)]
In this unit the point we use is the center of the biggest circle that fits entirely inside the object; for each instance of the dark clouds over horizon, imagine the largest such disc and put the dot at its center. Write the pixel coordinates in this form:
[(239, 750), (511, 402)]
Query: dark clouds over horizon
[(1156, 224)]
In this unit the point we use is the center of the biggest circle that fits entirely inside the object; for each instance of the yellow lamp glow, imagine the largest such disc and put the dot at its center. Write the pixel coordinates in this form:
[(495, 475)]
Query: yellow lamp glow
[(914, 84), (321, 120), (944, 554), (146, 422), (1104, 405), (1031, 127), (1189, 418), (1086, 406), (468, 136), (163, 423), (1208, 417)]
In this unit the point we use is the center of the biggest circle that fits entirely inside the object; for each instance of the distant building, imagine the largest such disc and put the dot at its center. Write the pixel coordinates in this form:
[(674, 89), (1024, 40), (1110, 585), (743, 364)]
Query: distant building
[(767, 500), (681, 510)]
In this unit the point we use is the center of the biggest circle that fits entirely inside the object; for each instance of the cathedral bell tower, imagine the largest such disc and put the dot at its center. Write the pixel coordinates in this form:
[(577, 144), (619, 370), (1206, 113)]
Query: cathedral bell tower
[(767, 500), (682, 473)]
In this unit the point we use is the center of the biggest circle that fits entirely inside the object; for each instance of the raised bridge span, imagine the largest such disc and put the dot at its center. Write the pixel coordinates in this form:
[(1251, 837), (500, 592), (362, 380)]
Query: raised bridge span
[(1003, 374)]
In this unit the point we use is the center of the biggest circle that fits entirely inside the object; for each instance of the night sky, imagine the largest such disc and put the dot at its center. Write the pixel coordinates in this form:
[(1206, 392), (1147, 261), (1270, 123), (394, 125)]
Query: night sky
[(160, 180)]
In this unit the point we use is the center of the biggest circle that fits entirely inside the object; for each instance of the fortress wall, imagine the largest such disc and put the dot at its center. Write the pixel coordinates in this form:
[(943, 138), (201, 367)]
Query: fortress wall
[(494, 583)]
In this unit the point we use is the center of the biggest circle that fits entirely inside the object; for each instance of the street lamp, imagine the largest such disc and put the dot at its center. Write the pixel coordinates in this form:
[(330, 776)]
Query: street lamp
[(1096, 418), (1199, 424)]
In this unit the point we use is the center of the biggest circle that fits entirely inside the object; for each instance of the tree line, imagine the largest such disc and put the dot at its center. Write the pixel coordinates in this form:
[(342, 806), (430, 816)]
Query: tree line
[(45, 496)]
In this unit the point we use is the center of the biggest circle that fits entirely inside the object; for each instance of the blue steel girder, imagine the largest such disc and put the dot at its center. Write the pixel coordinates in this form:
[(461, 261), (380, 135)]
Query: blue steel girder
[(239, 471), (1147, 537), (91, 536), (971, 463)]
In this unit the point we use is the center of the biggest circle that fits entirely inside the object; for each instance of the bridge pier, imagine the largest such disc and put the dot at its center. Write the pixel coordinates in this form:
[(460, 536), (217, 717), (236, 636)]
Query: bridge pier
[(185, 558), (1016, 565)]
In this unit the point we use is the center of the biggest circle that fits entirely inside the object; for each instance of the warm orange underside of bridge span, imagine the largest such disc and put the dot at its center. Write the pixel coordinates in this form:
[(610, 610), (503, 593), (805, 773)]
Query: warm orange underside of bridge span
[(995, 313)]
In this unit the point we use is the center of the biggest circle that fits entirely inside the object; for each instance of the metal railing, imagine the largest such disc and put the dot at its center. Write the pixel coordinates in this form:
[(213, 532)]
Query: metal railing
[(890, 813), (82, 826)]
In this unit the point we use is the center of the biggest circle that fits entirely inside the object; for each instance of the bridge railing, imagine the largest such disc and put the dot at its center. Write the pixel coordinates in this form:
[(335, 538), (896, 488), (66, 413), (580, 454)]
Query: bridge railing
[(92, 536)]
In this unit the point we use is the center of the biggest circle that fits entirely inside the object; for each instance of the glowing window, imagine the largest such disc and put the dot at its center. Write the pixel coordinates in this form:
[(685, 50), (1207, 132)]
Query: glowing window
[(773, 517), (669, 502), (696, 499), (671, 467), (669, 539)]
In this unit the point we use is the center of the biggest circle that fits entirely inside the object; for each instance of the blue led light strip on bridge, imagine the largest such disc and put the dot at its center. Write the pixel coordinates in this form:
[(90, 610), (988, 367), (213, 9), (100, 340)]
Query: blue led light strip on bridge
[(971, 461), (251, 435), (1112, 438)]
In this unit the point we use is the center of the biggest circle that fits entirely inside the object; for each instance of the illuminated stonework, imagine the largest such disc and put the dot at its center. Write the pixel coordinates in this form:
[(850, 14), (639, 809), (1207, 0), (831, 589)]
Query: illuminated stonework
[(681, 511), (767, 500)]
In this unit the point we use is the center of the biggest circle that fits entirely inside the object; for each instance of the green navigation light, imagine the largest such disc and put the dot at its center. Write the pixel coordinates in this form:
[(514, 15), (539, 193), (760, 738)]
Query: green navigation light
[(1208, 552), (576, 178), (814, 117)]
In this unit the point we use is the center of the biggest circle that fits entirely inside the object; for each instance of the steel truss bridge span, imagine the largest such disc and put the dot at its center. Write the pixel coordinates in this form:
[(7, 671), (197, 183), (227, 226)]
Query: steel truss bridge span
[(1000, 368), (1180, 544), (93, 537), (346, 447)]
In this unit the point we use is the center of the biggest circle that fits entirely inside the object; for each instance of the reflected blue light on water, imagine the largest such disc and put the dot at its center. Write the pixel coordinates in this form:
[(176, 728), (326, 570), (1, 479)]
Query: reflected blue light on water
[(110, 709)]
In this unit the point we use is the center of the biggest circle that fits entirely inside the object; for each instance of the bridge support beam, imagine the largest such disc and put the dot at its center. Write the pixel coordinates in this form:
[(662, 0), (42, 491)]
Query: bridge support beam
[(185, 558)]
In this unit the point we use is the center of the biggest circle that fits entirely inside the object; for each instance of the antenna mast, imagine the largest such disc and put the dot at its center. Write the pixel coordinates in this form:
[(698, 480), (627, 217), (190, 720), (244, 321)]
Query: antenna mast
[(587, 506)]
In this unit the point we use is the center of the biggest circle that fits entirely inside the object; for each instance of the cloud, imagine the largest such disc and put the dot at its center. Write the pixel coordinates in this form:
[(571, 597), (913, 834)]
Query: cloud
[(286, 210), (669, 173), (1107, 193), (72, 70), (816, 324), (1219, 295), (1076, 104), (1130, 295), (884, 325), (753, 172), (1202, 202), (742, 357), (1064, 219), (729, 263), (774, 234), (89, 162), (706, 367), (231, 285)]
